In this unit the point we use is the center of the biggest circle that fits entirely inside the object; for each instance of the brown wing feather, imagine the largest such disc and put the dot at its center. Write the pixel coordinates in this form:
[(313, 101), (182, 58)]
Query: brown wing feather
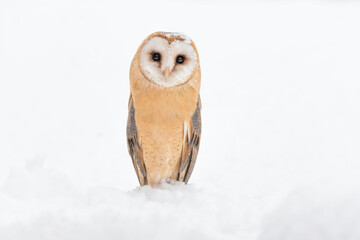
[(191, 145), (134, 147)]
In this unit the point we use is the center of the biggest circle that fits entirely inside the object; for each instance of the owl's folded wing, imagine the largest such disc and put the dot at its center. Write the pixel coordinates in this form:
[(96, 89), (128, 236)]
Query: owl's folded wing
[(134, 147), (190, 145)]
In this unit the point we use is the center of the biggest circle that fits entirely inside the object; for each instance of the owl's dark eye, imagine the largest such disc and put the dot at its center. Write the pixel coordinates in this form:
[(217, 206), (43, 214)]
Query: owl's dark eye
[(180, 59), (156, 57)]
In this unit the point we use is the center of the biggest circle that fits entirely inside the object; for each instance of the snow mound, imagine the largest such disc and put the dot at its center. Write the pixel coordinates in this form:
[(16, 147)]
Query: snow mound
[(316, 214), (38, 203)]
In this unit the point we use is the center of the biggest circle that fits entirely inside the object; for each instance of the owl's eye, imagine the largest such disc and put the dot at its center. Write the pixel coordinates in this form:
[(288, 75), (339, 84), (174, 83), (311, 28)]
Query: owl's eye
[(180, 59), (156, 57)]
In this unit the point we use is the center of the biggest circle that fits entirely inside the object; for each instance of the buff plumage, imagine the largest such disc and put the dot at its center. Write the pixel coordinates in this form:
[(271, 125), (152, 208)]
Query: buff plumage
[(164, 123)]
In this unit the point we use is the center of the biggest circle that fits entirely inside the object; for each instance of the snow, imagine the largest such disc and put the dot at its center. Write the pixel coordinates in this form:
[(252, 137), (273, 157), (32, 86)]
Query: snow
[(180, 35), (327, 213), (279, 154), (44, 204)]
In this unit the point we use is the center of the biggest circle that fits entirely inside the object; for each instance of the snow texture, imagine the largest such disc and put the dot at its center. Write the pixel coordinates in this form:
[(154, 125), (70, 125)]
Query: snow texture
[(279, 154), (323, 213), (180, 35)]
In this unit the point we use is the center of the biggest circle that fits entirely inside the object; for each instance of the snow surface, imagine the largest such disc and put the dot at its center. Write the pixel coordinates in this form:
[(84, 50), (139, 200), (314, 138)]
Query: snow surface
[(279, 155), (330, 212)]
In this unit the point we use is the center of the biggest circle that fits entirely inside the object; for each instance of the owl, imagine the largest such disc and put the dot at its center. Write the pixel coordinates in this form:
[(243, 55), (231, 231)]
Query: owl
[(164, 121)]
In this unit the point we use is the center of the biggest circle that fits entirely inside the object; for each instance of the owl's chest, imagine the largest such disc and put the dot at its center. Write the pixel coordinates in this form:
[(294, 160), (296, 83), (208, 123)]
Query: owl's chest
[(161, 145), (163, 108)]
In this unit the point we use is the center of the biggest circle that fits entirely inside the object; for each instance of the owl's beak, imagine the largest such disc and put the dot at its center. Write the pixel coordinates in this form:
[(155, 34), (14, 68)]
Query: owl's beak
[(167, 72)]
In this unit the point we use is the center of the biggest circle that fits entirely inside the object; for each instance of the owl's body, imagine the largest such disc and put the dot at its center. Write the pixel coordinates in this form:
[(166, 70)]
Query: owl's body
[(164, 124)]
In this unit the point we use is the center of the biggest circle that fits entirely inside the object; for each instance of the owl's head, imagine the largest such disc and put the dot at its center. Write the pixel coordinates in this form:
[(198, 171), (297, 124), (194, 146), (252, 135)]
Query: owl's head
[(168, 59)]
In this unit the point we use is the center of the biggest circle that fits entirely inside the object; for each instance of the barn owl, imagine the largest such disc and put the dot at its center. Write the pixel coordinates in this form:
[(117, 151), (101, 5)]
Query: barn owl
[(164, 121)]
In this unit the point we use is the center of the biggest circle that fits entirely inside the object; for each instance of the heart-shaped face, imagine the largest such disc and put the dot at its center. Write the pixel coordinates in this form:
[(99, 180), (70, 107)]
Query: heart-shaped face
[(168, 59)]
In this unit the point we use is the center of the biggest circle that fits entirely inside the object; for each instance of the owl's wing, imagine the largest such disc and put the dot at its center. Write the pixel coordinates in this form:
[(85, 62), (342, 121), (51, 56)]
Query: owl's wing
[(134, 147), (191, 145)]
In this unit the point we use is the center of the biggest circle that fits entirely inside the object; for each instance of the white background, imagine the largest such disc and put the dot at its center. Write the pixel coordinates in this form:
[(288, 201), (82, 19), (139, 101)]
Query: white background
[(279, 156)]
